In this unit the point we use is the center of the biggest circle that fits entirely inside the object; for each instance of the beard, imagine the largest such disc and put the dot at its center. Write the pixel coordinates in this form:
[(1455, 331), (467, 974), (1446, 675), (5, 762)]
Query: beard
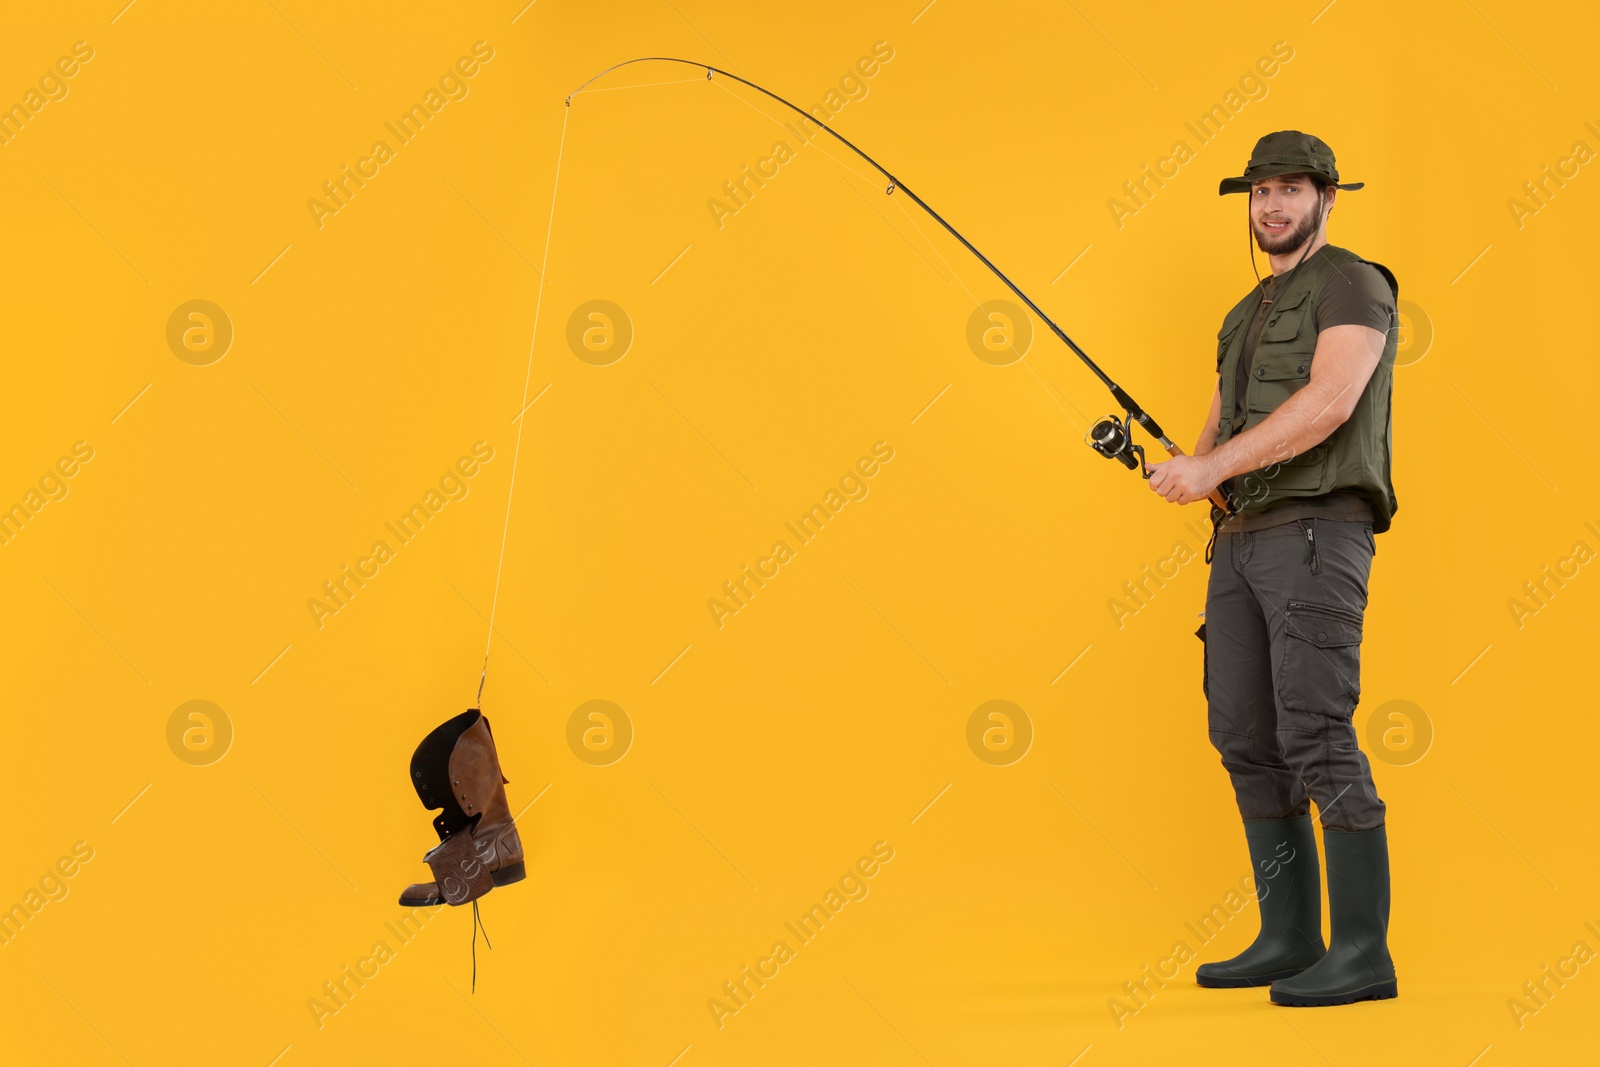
[(1290, 239)]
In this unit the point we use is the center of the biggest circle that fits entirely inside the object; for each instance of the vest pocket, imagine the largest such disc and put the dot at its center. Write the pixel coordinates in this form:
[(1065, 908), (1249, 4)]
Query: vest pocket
[(1230, 327), (1274, 379), (1285, 320), (1304, 475)]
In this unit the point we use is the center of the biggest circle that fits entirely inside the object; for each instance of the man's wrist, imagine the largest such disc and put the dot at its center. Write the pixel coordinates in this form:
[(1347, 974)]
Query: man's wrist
[(1216, 464)]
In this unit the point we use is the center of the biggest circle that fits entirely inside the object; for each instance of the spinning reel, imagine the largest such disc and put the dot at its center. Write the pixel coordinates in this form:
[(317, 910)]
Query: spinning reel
[(1113, 438)]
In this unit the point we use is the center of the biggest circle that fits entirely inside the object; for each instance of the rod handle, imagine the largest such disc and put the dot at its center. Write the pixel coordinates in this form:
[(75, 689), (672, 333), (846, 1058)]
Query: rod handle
[(1216, 494)]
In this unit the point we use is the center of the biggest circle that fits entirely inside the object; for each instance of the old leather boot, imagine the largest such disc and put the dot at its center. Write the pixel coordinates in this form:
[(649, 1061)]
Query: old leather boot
[(1357, 966), (1283, 855), (456, 768)]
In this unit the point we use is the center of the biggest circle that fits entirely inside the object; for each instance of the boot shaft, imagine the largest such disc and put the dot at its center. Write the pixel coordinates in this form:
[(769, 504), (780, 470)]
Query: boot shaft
[(1358, 884), (457, 768), (1283, 858)]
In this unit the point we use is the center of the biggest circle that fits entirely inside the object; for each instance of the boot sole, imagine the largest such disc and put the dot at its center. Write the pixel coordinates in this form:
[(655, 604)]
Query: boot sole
[(1379, 991), (505, 876), (1245, 981)]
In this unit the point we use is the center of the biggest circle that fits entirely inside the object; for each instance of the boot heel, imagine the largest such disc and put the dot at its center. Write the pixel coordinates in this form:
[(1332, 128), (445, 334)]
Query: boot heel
[(506, 875)]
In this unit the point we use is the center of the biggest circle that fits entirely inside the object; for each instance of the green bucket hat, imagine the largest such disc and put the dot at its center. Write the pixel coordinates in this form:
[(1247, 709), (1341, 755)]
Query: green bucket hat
[(1287, 152)]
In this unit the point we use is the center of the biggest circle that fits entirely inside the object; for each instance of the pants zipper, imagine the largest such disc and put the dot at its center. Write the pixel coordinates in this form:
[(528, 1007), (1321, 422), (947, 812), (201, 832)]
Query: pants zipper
[(1310, 527)]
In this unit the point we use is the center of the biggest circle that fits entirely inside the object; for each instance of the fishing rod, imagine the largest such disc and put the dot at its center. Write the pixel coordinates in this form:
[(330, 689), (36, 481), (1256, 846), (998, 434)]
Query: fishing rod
[(1111, 436)]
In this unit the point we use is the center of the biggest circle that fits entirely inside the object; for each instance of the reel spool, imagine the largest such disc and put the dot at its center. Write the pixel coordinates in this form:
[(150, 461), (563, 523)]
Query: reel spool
[(1113, 438)]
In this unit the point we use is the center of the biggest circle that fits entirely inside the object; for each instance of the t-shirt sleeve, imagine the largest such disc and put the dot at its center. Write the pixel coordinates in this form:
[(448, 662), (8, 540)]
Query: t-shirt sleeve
[(1358, 295)]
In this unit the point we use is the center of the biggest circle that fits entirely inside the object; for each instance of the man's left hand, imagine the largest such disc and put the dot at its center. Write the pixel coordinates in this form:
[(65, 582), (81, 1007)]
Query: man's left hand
[(1183, 479)]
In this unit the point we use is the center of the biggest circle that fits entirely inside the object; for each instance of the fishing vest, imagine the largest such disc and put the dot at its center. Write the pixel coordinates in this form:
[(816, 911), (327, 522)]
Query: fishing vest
[(1356, 456)]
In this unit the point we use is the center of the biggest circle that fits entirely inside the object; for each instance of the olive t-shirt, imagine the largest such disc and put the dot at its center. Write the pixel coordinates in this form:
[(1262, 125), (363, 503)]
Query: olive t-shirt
[(1355, 294)]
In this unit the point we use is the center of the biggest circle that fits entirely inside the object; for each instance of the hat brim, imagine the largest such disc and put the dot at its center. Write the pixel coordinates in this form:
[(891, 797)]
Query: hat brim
[(1242, 183)]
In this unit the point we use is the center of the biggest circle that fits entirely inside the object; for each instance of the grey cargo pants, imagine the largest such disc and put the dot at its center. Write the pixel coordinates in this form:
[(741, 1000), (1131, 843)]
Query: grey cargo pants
[(1282, 633)]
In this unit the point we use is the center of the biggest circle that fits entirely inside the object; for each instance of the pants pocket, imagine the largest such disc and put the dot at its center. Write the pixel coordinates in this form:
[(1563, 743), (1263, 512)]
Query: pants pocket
[(1320, 671)]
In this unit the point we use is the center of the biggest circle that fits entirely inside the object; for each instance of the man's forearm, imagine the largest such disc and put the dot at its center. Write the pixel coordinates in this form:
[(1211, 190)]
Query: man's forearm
[(1299, 423)]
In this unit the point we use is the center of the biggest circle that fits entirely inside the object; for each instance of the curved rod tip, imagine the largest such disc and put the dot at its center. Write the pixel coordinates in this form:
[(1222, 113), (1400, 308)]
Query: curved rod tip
[(1116, 391)]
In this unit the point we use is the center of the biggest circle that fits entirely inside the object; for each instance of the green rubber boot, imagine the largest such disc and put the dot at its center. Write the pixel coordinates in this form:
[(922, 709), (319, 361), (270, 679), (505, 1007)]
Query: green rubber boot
[(1357, 966), (1283, 855)]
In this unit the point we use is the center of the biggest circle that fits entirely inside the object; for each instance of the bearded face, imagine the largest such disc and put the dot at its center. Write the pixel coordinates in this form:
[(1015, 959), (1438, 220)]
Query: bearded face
[(1284, 213)]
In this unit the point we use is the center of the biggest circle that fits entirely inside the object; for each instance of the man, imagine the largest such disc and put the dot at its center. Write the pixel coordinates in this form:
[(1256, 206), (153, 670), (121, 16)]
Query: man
[(1299, 439)]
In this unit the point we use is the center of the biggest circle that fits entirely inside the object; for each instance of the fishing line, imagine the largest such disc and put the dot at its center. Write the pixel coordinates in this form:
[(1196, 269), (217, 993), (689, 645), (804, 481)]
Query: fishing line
[(1111, 436), (522, 414)]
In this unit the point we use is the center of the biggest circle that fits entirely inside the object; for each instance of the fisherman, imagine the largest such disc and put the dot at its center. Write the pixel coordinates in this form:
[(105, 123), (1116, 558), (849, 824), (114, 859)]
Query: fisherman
[(1299, 440)]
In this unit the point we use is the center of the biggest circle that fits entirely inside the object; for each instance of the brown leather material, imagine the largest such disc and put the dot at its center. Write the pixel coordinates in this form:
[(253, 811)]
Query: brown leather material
[(458, 872), (479, 846), (478, 785), (421, 895)]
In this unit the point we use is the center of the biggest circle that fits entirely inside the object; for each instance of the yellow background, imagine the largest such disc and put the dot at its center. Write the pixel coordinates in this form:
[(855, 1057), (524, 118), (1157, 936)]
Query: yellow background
[(373, 351)]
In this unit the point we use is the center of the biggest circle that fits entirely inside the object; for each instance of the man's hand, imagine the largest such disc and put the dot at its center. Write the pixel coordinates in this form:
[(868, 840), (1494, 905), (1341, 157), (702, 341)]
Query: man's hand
[(1184, 479)]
